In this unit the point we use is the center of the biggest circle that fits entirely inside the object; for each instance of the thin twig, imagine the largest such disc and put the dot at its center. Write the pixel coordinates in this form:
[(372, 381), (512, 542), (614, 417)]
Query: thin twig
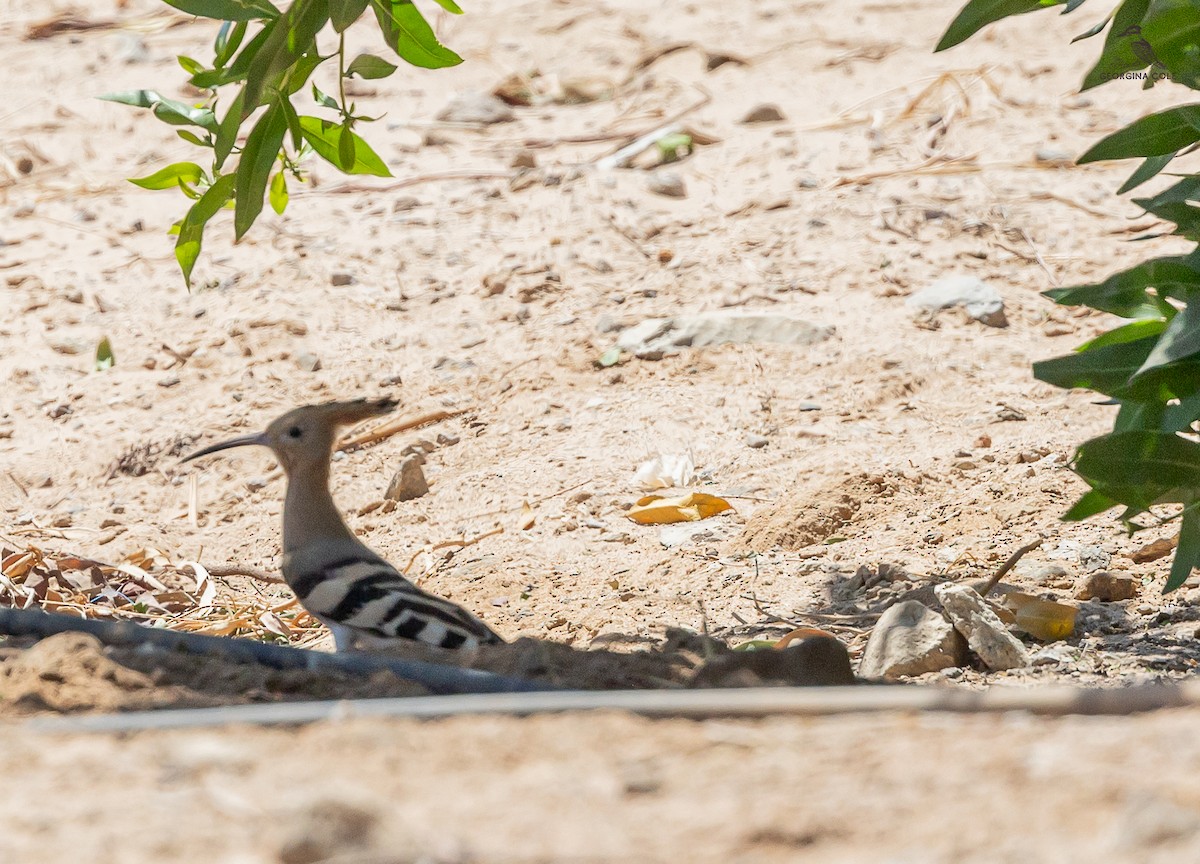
[(445, 544), (1002, 571), (393, 427), (227, 570), (355, 188)]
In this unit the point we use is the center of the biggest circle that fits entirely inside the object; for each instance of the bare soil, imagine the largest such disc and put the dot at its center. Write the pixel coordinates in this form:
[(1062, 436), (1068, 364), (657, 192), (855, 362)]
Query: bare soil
[(915, 442)]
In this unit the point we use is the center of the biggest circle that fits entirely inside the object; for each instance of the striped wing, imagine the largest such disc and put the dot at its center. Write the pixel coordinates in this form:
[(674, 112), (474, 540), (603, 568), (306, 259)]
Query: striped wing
[(372, 598)]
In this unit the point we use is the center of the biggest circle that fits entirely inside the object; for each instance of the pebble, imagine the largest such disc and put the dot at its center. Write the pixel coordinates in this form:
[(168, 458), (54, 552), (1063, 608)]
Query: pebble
[(341, 279), (307, 362), (667, 183), (982, 302), (757, 442), (765, 113), (1107, 587), (483, 108), (409, 481)]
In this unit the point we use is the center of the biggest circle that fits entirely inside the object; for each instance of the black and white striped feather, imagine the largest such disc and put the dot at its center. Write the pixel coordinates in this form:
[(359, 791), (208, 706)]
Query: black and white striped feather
[(368, 597)]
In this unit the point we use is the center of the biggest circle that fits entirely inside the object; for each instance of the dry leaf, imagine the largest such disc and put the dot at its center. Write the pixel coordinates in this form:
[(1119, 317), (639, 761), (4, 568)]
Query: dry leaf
[(665, 470), (275, 624), (1041, 619), (205, 585), (692, 507), (527, 517)]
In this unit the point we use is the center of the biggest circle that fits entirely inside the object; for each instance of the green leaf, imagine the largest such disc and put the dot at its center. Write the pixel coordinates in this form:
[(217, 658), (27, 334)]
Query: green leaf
[(292, 35), (1171, 30), (322, 99), (171, 176), (1180, 417), (229, 37), (1153, 135), (1179, 341), (1106, 370), (189, 65), (410, 36), (1125, 293), (977, 14), (346, 147), (1117, 57), (297, 76), (450, 6), (369, 66), (325, 136), (1139, 469), (1148, 169), (1090, 504), (1187, 552), (293, 122), (254, 167), (192, 138), (343, 13), (1130, 332), (136, 98), (227, 132), (226, 10), (104, 355), (191, 229), (278, 195), (178, 114)]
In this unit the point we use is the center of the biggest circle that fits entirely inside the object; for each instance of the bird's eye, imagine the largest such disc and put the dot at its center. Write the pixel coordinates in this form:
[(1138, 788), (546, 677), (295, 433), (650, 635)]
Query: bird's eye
[(294, 432)]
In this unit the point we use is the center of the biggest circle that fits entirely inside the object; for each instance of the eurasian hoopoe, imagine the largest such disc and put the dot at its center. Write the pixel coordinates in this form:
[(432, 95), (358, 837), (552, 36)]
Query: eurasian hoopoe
[(337, 578)]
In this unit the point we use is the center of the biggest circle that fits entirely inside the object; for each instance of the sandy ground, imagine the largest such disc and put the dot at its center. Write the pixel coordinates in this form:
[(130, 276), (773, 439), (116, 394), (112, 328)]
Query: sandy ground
[(922, 444)]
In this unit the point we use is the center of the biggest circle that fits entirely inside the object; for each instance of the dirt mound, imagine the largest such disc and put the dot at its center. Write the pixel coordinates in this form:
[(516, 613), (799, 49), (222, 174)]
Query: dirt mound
[(799, 520)]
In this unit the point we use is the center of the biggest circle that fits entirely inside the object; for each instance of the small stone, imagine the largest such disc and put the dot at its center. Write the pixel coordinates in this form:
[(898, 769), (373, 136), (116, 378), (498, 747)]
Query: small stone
[(447, 439), (63, 520), (984, 631), (1153, 551), (1052, 655), (911, 639), (1046, 156), (757, 442), (1107, 587), (409, 481), (256, 483), (1093, 558), (169, 381), (308, 362), (982, 302), (668, 184), (481, 108), (965, 465), (765, 113), (405, 203), (339, 280), (524, 159)]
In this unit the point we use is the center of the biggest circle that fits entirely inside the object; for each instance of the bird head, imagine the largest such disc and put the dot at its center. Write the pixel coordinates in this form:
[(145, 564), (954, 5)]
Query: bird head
[(305, 436)]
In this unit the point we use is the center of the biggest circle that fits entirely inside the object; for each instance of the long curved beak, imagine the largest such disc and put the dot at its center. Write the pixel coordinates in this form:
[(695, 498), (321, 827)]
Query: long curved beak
[(241, 441)]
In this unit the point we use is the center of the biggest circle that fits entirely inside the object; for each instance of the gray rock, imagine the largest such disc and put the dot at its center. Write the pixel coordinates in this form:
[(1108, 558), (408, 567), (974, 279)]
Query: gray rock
[(982, 302), (667, 183), (984, 631), (481, 108), (340, 279), (757, 442), (308, 362), (656, 337), (911, 639), (408, 483)]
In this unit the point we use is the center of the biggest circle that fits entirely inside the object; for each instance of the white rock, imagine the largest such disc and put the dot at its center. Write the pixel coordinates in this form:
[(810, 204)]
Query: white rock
[(985, 632), (982, 302), (910, 639)]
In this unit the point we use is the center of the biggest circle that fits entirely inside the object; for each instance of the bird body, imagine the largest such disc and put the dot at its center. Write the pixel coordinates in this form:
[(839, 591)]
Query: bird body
[(339, 579)]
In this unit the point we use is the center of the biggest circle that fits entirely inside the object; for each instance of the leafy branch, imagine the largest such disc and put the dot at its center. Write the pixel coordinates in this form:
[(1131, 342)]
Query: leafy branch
[(267, 56), (1150, 365)]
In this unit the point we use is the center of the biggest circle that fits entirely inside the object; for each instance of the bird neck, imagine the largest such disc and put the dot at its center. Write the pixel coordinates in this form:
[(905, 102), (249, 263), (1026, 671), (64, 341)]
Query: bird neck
[(309, 512)]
